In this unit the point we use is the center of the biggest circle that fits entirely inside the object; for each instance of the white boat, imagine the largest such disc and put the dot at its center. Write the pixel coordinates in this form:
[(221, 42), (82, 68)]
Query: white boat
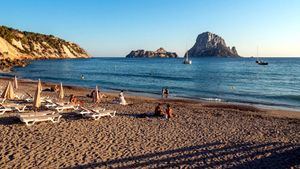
[(186, 59), (259, 61)]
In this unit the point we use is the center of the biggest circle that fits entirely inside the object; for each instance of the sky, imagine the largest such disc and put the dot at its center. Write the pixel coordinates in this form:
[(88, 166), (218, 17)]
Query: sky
[(115, 27)]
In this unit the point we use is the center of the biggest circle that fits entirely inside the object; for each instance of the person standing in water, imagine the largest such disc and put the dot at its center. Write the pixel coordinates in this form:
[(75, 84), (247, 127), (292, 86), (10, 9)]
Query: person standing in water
[(82, 77), (162, 92), (166, 93)]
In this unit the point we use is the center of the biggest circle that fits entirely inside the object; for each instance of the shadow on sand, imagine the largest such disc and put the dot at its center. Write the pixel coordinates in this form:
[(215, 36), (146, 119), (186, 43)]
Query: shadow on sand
[(246, 155), (11, 120)]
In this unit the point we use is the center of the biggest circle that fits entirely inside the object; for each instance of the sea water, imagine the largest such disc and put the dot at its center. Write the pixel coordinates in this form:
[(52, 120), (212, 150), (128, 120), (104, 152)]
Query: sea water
[(216, 79)]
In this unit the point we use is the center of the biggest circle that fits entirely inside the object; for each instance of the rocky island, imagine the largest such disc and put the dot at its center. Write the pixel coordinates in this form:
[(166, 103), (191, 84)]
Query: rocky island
[(211, 45), (159, 53), (16, 47)]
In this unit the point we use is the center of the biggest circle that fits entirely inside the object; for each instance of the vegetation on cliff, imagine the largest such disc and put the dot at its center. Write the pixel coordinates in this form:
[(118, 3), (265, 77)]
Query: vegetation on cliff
[(17, 44), (159, 53)]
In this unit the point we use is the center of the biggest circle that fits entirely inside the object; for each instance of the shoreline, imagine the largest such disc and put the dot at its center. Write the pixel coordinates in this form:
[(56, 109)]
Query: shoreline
[(268, 110), (265, 105)]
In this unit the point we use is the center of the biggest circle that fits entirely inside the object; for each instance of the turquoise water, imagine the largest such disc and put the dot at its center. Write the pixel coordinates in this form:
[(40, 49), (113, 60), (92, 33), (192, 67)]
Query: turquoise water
[(232, 80)]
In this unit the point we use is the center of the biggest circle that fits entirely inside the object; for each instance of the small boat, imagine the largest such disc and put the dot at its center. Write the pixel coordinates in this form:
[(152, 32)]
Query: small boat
[(258, 61), (186, 59), (261, 62)]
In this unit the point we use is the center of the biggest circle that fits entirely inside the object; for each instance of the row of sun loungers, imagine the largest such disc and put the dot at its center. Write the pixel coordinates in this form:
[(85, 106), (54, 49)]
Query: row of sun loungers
[(51, 114)]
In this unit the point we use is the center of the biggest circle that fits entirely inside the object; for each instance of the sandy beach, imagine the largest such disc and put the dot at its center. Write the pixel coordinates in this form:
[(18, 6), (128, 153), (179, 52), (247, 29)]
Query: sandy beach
[(201, 135)]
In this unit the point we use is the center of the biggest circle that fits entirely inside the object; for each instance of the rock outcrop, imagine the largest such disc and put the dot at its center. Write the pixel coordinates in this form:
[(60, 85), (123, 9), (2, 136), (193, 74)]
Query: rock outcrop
[(159, 53), (211, 45), (7, 64), (15, 44)]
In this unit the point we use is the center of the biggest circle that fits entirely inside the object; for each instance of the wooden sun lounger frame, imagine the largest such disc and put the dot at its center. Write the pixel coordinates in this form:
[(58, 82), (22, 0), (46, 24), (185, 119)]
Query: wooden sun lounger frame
[(31, 120)]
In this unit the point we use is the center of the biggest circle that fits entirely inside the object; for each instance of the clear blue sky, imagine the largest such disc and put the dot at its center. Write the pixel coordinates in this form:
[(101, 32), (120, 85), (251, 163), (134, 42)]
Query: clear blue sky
[(115, 27)]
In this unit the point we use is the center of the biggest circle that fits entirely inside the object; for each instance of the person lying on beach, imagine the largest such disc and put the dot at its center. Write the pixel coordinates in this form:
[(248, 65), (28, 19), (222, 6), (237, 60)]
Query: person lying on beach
[(74, 100), (55, 88), (52, 89), (158, 110), (91, 95), (169, 112)]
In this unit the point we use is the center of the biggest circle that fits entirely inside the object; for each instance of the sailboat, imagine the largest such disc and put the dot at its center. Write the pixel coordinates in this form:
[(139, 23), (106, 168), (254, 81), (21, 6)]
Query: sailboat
[(186, 59), (258, 61)]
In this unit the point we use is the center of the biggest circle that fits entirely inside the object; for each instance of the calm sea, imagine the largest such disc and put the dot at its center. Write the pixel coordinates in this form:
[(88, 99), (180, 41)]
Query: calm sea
[(216, 79)]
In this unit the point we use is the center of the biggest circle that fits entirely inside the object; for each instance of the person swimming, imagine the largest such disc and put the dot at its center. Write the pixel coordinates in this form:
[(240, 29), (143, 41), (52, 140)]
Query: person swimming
[(82, 77)]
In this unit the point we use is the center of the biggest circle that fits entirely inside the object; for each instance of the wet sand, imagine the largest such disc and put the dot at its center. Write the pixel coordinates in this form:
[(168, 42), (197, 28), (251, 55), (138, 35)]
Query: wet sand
[(203, 134)]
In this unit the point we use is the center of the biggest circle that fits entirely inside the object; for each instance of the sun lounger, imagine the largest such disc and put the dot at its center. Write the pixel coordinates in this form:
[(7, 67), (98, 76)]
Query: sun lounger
[(49, 104), (96, 114), (83, 110), (11, 107), (5, 109), (30, 120), (29, 99), (32, 114), (19, 97), (61, 108)]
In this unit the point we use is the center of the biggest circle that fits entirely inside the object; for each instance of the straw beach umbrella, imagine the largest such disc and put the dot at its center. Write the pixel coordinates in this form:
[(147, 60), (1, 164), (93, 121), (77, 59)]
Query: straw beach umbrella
[(61, 92), (8, 93), (97, 97), (37, 96), (16, 83)]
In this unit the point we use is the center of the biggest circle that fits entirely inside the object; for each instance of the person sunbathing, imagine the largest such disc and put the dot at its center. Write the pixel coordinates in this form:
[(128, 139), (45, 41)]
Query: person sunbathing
[(55, 89), (169, 112), (74, 100), (158, 110)]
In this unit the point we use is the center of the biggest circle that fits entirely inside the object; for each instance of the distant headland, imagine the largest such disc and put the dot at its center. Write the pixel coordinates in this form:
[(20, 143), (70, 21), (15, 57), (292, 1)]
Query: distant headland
[(17, 46), (211, 45), (159, 53)]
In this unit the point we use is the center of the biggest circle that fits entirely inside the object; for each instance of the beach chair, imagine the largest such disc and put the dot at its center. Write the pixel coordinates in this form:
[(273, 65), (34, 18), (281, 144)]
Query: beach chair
[(97, 113), (11, 107), (19, 96), (65, 106), (28, 99), (31, 120), (32, 114), (82, 110), (49, 104), (4, 109)]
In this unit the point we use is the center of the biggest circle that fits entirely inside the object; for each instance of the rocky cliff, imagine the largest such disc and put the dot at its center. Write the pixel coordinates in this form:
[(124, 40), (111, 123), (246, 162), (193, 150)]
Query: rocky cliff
[(211, 45), (159, 53), (19, 45)]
